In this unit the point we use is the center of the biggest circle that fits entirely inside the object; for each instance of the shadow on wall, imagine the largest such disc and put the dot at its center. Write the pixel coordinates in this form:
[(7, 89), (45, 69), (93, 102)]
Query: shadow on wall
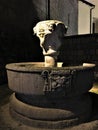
[(17, 42)]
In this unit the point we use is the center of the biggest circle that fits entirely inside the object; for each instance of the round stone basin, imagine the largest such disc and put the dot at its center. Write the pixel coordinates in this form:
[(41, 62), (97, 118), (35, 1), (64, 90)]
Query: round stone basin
[(48, 97), (34, 79)]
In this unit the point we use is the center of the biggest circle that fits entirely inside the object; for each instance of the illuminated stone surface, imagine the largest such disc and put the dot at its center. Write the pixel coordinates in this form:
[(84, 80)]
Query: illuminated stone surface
[(50, 33)]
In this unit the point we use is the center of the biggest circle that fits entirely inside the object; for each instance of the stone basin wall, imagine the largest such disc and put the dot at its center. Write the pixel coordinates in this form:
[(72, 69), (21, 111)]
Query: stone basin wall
[(50, 97)]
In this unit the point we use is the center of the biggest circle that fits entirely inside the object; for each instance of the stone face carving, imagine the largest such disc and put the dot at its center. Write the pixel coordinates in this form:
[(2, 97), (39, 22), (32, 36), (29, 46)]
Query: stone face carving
[(50, 33), (56, 80)]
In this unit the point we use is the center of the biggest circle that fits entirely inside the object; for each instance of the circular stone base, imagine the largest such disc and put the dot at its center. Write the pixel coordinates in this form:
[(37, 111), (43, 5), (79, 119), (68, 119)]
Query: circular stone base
[(71, 113), (7, 122)]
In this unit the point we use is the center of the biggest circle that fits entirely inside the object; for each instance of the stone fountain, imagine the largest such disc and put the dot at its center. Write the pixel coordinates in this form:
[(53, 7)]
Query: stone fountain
[(47, 94)]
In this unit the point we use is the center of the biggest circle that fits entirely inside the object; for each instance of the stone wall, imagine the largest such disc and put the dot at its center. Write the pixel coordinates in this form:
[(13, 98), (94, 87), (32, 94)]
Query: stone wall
[(79, 49), (66, 11)]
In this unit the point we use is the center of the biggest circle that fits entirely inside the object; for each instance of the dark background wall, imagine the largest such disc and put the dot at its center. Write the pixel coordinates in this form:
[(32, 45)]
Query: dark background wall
[(18, 44), (79, 49), (18, 17)]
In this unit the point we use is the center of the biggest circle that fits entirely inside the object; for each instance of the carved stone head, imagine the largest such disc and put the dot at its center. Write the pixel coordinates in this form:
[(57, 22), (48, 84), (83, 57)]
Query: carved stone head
[(50, 33)]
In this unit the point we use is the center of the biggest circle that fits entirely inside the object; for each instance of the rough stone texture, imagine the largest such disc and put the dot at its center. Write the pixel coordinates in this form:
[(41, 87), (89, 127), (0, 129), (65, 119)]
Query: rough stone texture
[(50, 98), (60, 115), (56, 81)]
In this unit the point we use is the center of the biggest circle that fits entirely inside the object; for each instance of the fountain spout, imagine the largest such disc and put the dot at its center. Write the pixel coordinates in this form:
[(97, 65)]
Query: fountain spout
[(50, 33)]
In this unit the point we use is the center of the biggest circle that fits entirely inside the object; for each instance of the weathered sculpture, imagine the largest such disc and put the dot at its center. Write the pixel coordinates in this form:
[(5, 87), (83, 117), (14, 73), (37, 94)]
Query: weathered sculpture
[(48, 96), (50, 33)]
